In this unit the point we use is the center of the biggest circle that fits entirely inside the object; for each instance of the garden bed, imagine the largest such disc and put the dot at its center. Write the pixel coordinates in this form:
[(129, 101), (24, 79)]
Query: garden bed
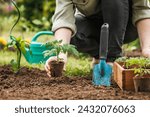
[(34, 84)]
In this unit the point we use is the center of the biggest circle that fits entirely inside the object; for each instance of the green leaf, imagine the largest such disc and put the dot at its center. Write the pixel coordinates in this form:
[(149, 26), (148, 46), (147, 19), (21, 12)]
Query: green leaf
[(37, 22), (22, 46), (51, 52), (14, 65), (64, 49)]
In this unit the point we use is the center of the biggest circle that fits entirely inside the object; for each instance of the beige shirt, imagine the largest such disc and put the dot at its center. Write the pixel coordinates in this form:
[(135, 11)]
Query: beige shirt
[(65, 10)]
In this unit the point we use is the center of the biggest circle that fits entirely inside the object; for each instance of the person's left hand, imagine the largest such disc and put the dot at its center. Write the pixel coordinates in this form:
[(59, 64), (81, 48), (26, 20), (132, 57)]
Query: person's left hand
[(54, 58)]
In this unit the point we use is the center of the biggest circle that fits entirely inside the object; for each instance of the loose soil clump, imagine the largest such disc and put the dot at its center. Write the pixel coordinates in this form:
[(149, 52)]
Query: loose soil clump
[(32, 83)]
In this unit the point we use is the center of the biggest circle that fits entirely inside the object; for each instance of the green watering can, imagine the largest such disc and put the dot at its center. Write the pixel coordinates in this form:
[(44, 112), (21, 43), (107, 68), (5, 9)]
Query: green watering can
[(34, 54)]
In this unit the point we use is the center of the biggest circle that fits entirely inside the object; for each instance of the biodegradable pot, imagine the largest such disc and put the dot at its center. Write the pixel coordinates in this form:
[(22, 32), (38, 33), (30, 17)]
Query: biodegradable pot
[(142, 84), (56, 68)]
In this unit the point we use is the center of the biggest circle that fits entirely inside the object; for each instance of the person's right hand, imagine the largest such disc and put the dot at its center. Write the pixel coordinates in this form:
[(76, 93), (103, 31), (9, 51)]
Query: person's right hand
[(54, 58), (146, 52)]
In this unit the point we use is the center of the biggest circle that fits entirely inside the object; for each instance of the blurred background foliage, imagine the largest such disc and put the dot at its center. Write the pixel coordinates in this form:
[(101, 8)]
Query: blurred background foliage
[(35, 14)]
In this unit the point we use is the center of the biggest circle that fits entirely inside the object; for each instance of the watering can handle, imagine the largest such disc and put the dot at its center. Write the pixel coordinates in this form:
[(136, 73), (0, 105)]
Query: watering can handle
[(41, 33)]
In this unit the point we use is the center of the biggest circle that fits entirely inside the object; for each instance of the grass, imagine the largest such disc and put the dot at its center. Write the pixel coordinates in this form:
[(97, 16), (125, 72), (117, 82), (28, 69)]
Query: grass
[(74, 67), (7, 56), (78, 67)]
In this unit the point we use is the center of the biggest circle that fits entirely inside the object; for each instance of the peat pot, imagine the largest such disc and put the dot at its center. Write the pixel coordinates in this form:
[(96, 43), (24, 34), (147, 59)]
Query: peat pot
[(142, 84), (56, 68)]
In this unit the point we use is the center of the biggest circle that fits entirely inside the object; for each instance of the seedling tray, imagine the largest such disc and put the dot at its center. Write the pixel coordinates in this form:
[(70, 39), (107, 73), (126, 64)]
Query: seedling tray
[(124, 77)]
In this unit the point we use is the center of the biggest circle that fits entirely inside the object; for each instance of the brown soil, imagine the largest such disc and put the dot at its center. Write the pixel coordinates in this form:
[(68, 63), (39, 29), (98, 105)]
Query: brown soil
[(34, 84)]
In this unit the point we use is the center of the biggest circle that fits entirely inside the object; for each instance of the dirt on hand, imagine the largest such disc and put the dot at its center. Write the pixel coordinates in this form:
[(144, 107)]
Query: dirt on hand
[(34, 84)]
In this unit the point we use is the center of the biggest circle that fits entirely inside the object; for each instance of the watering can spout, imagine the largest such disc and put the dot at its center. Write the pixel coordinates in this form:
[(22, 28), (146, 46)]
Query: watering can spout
[(26, 54)]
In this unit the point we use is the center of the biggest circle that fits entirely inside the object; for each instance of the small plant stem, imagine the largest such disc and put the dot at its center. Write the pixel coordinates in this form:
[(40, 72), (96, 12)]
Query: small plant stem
[(18, 58), (17, 18), (57, 53), (57, 59)]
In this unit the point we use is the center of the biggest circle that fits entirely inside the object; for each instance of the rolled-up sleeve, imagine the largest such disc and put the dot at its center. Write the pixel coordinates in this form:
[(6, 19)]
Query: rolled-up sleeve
[(141, 10), (64, 16)]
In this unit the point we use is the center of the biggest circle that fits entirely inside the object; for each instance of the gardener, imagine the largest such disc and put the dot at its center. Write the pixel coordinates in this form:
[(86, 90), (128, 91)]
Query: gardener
[(79, 21)]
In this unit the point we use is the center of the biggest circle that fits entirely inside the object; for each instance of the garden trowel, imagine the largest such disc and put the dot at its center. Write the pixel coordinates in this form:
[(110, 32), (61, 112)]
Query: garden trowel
[(102, 71)]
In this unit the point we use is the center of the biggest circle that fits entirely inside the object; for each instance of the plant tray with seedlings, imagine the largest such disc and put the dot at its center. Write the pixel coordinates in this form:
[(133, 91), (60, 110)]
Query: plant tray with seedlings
[(132, 73)]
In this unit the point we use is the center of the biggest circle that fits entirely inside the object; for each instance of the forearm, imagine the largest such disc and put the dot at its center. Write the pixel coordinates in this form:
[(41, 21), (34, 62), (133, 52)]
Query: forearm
[(143, 27), (63, 34)]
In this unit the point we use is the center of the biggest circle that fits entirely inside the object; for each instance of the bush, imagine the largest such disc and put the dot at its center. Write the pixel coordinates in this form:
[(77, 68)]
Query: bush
[(36, 15)]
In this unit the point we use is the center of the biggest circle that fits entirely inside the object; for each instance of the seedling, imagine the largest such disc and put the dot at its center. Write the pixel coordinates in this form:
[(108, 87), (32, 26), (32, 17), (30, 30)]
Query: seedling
[(134, 62), (140, 72), (56, 48), (121, 59), (19, 44), (141, 79), (138, 62)]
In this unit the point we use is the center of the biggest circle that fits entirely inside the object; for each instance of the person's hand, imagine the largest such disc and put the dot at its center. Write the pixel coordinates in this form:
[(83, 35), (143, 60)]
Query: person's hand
[(146, 52), (54, 58)]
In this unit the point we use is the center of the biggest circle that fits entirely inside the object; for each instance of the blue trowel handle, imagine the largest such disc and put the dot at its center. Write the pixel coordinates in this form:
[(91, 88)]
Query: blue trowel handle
[(41, 33), (104, 35)]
